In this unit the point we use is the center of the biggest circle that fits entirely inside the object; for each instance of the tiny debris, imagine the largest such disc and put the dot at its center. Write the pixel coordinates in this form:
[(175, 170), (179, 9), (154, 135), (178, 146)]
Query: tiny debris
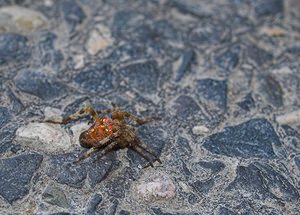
[(157, 186), (200, 129), (44, 137)]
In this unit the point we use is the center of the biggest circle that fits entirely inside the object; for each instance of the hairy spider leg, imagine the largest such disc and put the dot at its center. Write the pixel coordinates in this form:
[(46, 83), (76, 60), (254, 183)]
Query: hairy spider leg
[(75, 116), (96, 146), (142, 153), (142, 120), (148, 149), (107, 149)]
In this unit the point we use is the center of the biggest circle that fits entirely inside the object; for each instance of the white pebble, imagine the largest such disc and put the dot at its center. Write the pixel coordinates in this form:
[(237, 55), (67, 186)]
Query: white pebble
[(157, 186), (200, 129), (44, 137)]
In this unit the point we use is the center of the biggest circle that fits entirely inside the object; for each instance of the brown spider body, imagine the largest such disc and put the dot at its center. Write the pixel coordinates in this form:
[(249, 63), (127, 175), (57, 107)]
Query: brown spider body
[(107, 134)]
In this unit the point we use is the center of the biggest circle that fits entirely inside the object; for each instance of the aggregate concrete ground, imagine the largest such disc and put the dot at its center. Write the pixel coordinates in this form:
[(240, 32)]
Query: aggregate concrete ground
[(222, 74)]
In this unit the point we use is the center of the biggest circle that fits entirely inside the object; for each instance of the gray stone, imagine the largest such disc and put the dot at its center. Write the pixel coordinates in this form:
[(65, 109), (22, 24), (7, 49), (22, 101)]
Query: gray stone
[(98, 79), (185, 106), (63, 169), (247, 103), (95, 200), (203, 187), (142, 76), (123, 212), (257, 55), (119, 185), (228, 58), (48, 54), (72, 13), (271, 90), (263, 181), (159, 211), (39, 84), (183, 147), (16, 174), (254, 138), (264, 8), (184, 63), (297, 162), (14, 48), (4, 115), (7, 135), (214, 91), (215, 166), (55, 196), (225, 211)]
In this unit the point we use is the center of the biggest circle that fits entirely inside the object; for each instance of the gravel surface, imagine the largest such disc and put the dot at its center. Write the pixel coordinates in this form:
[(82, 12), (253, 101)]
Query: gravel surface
[(224, 76)]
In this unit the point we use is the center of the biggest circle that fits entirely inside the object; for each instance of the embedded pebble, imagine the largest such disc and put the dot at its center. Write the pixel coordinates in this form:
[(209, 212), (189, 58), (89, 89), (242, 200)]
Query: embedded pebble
[(15, 175), (44, 137), (99, 40), (156, 186), (200, 129), (23, 19), (289, 118)]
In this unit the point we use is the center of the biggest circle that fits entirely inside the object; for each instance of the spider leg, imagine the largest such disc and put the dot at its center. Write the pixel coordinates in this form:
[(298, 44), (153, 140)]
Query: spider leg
[(143, 119), (104, 111), (107, 149), (85, 154), (142, 153), (75, 116), (148, 149)]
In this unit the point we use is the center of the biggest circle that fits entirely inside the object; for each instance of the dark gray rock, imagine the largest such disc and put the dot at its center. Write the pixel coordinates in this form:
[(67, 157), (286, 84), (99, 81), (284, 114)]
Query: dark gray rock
[(16, 174), (253, 138), (214, 91), (39, 84), (47, 53), (225, 211), (228, 58), (119, 185), (4, 116), (203, 187), (55, 196), (263, 181), (63, 169), (185, 106), (98, 79), (7, 135), (72, 13), (185, 61), (124, 21), (183, 146), (123, 212), (14, 48), (247, 103), (159, 211), (257, 55), (97, 171), (214, 166), (297, 162), (15, 104), (271, 90), (154, 137), (264, 8), (93, 204), (142, 76)]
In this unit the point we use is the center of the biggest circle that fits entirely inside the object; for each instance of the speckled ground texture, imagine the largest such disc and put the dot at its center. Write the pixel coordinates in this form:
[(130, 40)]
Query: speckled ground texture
[(224, 75)]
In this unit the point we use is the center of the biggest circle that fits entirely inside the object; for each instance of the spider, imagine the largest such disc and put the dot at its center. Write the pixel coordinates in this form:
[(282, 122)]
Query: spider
[(110, 133)]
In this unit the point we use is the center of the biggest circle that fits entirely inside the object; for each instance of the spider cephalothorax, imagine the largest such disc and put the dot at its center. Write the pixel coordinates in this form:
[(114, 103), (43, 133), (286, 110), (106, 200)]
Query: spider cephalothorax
[(109, 133)]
